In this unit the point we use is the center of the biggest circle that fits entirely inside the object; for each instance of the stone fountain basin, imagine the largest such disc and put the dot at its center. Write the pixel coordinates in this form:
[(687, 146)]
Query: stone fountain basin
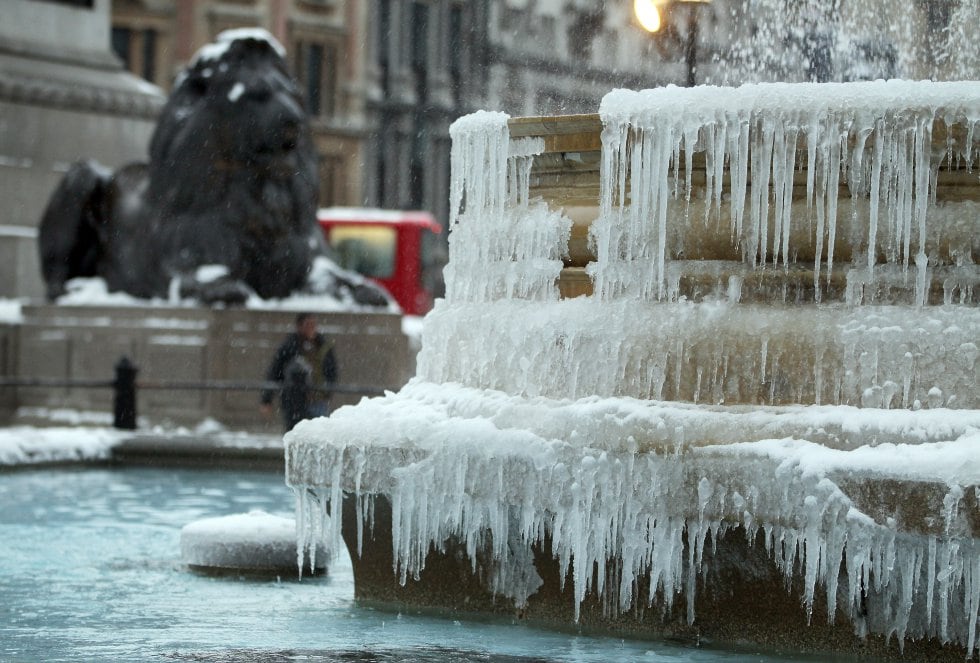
[(928, 451), (504, 495)]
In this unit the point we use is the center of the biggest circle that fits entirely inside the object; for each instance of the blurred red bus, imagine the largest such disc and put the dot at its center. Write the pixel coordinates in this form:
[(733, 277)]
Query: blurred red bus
[(388, 246)]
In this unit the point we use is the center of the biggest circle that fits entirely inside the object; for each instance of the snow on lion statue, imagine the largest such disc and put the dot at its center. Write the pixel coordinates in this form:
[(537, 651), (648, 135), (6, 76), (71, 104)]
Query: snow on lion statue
[(230, 189)]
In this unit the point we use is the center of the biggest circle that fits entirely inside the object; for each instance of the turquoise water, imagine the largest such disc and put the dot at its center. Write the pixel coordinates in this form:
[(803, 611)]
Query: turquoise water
[(90, 571)]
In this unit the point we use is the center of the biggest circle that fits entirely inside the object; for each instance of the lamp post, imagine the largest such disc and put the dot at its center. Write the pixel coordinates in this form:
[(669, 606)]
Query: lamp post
[(650, 15)]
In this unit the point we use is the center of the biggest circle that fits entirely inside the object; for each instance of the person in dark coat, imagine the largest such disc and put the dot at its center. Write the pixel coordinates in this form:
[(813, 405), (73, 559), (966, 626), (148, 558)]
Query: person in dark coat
[(305, 365)]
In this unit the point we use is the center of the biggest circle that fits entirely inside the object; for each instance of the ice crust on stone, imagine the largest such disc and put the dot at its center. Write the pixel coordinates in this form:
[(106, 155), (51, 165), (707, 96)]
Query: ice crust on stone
[(713, 353), (618, 425), (876, 137), (502, 247), (253, 540)]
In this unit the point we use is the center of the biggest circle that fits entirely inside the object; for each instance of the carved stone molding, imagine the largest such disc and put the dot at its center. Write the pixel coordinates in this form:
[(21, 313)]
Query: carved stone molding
[(87, 81), (17, 87)]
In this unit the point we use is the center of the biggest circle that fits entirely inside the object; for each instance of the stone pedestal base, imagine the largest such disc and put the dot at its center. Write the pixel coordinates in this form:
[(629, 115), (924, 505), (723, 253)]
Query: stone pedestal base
[(742, 601)]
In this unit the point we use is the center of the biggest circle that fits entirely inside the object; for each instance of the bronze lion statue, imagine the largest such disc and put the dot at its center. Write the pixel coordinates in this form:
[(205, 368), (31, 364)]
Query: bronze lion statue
[(231, 184)]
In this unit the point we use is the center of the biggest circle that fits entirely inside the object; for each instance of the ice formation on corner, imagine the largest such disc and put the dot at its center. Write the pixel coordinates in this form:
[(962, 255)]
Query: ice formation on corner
[(503, 247), (619, 424)]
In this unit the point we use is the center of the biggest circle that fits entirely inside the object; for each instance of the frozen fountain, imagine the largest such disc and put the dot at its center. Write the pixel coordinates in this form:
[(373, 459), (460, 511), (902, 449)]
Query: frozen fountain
[(706, 368)]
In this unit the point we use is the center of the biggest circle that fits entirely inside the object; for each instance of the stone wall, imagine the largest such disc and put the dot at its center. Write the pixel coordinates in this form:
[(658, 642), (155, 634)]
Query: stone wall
[(189, 345)]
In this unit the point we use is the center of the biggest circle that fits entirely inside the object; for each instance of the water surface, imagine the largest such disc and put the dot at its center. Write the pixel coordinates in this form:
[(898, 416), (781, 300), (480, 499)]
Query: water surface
[(90, 571)]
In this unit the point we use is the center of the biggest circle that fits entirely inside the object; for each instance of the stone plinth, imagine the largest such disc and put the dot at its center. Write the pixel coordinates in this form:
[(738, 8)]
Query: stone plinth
[(742, 600), (63, 96)]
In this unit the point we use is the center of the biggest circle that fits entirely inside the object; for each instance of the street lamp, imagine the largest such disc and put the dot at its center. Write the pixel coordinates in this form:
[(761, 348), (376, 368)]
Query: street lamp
[(650, 15)]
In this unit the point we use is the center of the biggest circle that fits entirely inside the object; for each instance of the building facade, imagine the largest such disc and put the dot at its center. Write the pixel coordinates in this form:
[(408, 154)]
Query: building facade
[(384, 79), (425, 68), (60, 100)]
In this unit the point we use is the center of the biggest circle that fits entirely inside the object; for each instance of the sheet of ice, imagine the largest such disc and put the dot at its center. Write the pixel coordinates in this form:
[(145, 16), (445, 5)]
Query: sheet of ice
[(713, 352), (500, 247)]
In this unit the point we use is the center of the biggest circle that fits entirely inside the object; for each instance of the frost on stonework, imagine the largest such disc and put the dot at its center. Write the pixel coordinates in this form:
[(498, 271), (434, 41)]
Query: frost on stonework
[(875, 138), (633, 428)]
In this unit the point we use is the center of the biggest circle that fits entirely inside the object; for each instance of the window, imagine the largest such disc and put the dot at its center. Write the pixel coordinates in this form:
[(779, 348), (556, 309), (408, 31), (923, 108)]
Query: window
[(121, 38), (384, 37), (380, 156), (137, 49), (456, 52), (420, 48), (149, 54), (937, 15), (363, 248), (331, 176), (818, 51), (316, 71), (416, 185), (313, 75), (582, 31), (416, 174)]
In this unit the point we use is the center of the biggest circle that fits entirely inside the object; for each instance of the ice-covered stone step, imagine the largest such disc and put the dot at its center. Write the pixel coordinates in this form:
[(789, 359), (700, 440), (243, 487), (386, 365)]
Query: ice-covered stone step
[(253, 543), (711, 353)]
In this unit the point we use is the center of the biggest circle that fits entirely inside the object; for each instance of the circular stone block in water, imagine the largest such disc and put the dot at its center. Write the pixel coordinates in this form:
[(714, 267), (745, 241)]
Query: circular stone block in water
[(254, 543)]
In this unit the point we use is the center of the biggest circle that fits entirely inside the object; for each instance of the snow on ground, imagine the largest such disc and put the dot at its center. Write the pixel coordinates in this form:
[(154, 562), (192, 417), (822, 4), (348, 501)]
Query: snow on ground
[(93, 292), (215, 433), (26, 445), (66, 435), (10, 311)]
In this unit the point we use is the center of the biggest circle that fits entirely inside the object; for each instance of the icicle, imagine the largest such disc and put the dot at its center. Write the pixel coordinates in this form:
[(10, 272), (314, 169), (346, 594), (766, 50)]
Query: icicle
[(922, 147), (301, 518)]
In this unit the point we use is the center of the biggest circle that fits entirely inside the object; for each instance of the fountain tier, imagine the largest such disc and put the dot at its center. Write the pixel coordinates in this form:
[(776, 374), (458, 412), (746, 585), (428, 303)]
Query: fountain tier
[(775, 441)]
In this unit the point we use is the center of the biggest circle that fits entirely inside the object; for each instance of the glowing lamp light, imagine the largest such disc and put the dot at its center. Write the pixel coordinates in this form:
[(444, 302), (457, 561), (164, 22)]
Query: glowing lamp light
[(647, 12)]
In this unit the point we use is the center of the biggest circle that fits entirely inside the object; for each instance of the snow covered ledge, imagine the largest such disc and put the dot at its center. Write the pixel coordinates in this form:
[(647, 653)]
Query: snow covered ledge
[(718, 510), (533, 467)]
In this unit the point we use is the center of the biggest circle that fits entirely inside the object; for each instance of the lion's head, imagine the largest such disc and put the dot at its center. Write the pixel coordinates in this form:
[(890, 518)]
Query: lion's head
[(232, 168), (235, 106)]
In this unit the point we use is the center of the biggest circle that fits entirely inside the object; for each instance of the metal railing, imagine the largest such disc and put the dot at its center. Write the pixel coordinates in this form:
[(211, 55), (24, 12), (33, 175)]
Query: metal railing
[(125, 388)]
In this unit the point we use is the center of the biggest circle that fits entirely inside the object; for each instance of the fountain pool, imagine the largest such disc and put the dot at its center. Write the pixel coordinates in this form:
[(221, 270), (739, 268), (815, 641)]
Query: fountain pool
[(90, 570)]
